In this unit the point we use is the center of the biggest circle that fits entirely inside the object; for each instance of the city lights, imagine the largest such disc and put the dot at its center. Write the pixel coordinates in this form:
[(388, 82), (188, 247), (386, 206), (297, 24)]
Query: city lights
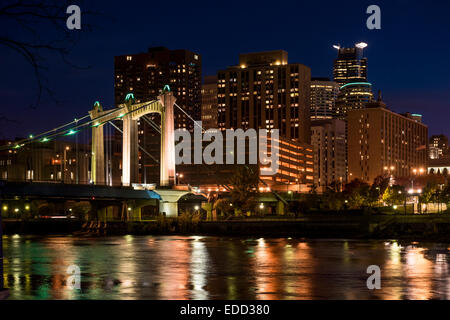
[(361, 45)]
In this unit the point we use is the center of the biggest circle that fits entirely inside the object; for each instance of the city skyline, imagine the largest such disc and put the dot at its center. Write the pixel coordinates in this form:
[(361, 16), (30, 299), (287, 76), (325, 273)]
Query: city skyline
[(394, 65)]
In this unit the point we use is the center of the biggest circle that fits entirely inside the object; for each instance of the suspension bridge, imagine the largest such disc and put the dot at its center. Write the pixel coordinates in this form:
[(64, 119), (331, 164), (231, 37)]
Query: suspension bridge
[(131, 199)]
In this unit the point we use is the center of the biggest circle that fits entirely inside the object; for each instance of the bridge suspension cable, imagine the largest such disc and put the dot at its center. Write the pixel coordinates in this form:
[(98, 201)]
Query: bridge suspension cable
[(140, 147), (71, 131)]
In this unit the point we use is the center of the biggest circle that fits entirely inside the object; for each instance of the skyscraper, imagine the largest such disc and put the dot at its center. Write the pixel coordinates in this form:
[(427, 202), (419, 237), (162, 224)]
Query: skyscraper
[(350, 72), (209, 103), (145, 75), (323, 98), (264, 91), (350, 65)]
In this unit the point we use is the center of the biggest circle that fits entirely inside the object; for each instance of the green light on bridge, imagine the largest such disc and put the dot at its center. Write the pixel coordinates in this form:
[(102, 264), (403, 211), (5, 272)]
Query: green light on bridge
[(166, 88), (96, 124), (129, 96), (71, 132), (45, 140)]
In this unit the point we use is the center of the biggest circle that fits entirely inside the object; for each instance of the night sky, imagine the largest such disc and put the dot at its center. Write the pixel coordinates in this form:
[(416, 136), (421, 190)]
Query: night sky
[(408, 57)]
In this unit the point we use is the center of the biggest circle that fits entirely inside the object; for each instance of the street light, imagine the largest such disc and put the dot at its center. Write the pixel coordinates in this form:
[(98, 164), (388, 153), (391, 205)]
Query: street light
[(178, 176)]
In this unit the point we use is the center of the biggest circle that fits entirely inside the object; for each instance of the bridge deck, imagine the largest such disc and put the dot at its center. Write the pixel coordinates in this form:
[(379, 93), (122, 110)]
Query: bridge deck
[(10, 190)]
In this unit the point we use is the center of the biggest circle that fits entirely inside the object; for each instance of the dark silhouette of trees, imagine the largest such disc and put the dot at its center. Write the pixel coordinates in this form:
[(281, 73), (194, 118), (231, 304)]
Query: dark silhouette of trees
[(245, 192), (36, 29)]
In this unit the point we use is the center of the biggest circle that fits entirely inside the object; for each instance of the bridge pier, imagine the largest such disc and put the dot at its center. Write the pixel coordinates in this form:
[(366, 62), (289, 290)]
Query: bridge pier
[(98, 148), (130, 113), (168, 204), (167, 162), (130, 149)]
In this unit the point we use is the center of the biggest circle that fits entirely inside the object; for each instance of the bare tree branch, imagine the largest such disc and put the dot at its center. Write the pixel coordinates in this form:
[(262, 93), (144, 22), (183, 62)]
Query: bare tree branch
[(39, 29)]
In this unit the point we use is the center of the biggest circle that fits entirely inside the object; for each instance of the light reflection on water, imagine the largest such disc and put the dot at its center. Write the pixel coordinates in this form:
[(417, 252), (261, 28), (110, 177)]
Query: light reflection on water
[(192, 267)]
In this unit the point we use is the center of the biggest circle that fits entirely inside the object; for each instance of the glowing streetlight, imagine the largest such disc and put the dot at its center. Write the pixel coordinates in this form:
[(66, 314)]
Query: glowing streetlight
[(337, 47), (261, 206)]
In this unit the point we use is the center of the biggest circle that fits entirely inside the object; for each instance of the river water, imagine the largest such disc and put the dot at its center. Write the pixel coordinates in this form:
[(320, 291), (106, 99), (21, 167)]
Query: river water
[(190, 267)]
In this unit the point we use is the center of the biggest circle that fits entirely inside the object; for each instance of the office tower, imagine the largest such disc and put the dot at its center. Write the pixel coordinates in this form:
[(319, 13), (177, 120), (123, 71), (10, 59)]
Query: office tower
[(209, 103), (323, 98), (145, 75), (350, 72), (265, 91), (328, 140), (350, 65), (439, 147), (383, 142)]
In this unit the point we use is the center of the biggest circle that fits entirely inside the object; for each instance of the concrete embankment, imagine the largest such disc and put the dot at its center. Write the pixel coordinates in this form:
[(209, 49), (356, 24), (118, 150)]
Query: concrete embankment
[(435, 227)]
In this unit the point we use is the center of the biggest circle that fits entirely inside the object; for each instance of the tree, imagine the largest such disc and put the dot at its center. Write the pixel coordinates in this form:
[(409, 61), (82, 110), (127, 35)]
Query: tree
[(39, 29), (429, 194), (356, 192), (244, 185), (394, 195), (224, 206), (333, 200)]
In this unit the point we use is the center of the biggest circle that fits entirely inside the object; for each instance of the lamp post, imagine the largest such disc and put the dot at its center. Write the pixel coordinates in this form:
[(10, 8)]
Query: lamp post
[(390, 171), (178, 176)]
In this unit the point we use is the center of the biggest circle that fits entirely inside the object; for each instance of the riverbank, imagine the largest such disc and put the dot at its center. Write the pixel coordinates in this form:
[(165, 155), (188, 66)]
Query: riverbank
[(410, 227)]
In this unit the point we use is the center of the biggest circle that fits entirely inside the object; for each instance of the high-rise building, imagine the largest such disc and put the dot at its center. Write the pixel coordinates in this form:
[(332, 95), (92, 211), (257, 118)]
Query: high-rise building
[(383, 142), (328, 140), (439, 147), (350, 65), (265, 91), (209, 103), (145, 75), (323, 98), (350, 72), (353, 96)]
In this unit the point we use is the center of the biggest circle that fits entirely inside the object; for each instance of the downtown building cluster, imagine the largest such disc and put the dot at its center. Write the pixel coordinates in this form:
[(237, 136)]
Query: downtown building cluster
[(331, 131), (335, 128)]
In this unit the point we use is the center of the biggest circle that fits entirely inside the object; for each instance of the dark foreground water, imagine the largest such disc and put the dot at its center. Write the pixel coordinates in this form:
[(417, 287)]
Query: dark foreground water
[(178, 267)]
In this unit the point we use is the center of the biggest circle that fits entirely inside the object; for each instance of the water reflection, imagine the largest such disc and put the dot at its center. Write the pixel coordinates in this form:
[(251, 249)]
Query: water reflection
[(145, 267)]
